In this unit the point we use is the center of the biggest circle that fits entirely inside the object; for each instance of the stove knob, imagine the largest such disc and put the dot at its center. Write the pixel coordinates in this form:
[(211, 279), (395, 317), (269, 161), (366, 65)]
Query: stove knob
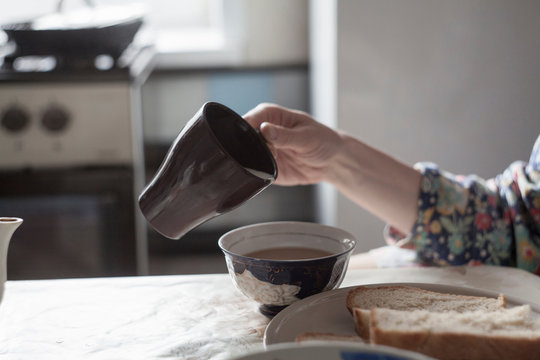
[(55, 119), (15, 119)]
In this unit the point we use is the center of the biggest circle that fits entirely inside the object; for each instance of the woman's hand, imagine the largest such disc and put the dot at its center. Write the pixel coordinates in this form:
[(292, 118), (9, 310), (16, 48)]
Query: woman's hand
[(303, 147), (308, 152)]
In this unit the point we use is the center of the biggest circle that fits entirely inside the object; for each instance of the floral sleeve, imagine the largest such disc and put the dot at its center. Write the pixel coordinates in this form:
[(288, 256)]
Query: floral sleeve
[(468, 220)]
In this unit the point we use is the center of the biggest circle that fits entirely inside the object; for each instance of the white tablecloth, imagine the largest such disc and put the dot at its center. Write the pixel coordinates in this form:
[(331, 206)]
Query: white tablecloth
[(177, 317)]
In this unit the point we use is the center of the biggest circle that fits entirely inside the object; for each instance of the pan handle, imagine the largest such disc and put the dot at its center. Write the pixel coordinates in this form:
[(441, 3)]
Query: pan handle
[(60, 5)]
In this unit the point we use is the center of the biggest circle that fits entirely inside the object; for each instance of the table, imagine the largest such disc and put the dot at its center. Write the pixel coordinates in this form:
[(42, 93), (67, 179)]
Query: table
[(178, 316)]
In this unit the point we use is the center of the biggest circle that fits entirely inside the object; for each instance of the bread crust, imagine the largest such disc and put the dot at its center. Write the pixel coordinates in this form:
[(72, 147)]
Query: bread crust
[(359, 290), (361, 322)]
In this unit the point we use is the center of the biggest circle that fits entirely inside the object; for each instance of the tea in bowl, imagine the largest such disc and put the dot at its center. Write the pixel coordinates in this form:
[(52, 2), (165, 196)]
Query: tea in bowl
[(278, 263)]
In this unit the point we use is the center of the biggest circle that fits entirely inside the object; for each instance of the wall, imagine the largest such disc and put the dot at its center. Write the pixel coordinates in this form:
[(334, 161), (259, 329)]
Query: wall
[(276, 32), (453, 82), (247, 33)]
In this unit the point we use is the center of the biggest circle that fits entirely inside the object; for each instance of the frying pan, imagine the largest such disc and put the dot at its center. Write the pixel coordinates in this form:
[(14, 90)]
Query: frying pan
[(92, 31)]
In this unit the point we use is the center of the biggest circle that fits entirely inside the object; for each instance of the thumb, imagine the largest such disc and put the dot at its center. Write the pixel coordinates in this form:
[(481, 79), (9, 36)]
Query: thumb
[(276, 135)]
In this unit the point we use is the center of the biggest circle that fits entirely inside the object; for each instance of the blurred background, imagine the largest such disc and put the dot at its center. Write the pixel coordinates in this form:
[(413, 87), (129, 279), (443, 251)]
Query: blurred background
[(92, 93)]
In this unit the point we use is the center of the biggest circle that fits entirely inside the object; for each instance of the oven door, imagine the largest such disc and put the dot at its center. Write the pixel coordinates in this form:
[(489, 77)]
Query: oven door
[(77, 222)]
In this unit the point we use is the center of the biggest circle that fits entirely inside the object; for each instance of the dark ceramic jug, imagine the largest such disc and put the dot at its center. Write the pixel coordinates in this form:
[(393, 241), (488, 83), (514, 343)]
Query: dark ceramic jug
[(216, 163)]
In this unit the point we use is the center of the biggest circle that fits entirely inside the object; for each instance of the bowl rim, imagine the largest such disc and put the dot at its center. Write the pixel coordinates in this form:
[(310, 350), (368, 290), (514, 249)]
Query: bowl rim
[(351, 244)]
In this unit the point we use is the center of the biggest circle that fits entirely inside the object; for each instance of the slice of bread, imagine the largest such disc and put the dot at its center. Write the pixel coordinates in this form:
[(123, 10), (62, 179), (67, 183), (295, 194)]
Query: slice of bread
[(319, 336), (362, 299), (503, 334)]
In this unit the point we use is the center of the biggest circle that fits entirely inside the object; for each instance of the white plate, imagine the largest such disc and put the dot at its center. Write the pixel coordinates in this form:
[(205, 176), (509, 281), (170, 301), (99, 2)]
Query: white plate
[(327, 312), (331, 351)]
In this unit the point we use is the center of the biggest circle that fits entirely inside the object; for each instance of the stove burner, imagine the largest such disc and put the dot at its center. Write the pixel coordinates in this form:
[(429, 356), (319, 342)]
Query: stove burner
[(49, 63), (30, 63), (14, 64), (58, 63)]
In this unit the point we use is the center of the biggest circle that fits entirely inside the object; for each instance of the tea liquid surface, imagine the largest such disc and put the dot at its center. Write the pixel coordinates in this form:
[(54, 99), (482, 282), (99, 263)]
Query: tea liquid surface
[(288, 253)]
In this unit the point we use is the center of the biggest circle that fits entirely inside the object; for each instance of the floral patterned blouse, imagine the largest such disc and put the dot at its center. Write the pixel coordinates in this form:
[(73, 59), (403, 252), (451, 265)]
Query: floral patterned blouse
[(468, 220)]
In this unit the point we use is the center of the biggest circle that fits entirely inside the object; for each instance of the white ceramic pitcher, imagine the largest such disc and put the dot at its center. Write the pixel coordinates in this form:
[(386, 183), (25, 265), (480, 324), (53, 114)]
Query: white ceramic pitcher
[(8, 225)]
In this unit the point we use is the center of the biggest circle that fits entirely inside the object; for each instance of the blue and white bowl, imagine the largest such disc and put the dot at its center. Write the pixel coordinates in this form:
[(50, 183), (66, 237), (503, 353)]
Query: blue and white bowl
[(275, 284)]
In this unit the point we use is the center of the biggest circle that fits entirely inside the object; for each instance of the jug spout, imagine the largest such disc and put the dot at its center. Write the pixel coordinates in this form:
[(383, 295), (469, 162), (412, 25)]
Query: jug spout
[(8, 225)]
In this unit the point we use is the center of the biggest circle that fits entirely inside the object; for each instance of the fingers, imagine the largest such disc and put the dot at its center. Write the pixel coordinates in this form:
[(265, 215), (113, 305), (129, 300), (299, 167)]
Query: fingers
[(264, 112), (274, 114), (282, 127)]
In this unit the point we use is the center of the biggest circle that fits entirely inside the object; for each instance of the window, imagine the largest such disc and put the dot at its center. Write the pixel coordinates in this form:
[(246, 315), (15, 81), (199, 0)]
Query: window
[(192, 32)]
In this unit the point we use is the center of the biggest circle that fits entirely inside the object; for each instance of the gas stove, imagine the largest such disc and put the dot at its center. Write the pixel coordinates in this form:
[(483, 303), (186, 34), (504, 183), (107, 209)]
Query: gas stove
[(72, 164), (72, 113)]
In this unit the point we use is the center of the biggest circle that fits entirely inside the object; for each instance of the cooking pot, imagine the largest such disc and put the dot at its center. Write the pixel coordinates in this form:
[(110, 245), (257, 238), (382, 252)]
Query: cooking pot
[(87, 32)]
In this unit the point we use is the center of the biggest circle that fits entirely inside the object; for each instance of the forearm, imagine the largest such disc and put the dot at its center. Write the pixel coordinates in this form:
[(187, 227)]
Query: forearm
[(377, 182)]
